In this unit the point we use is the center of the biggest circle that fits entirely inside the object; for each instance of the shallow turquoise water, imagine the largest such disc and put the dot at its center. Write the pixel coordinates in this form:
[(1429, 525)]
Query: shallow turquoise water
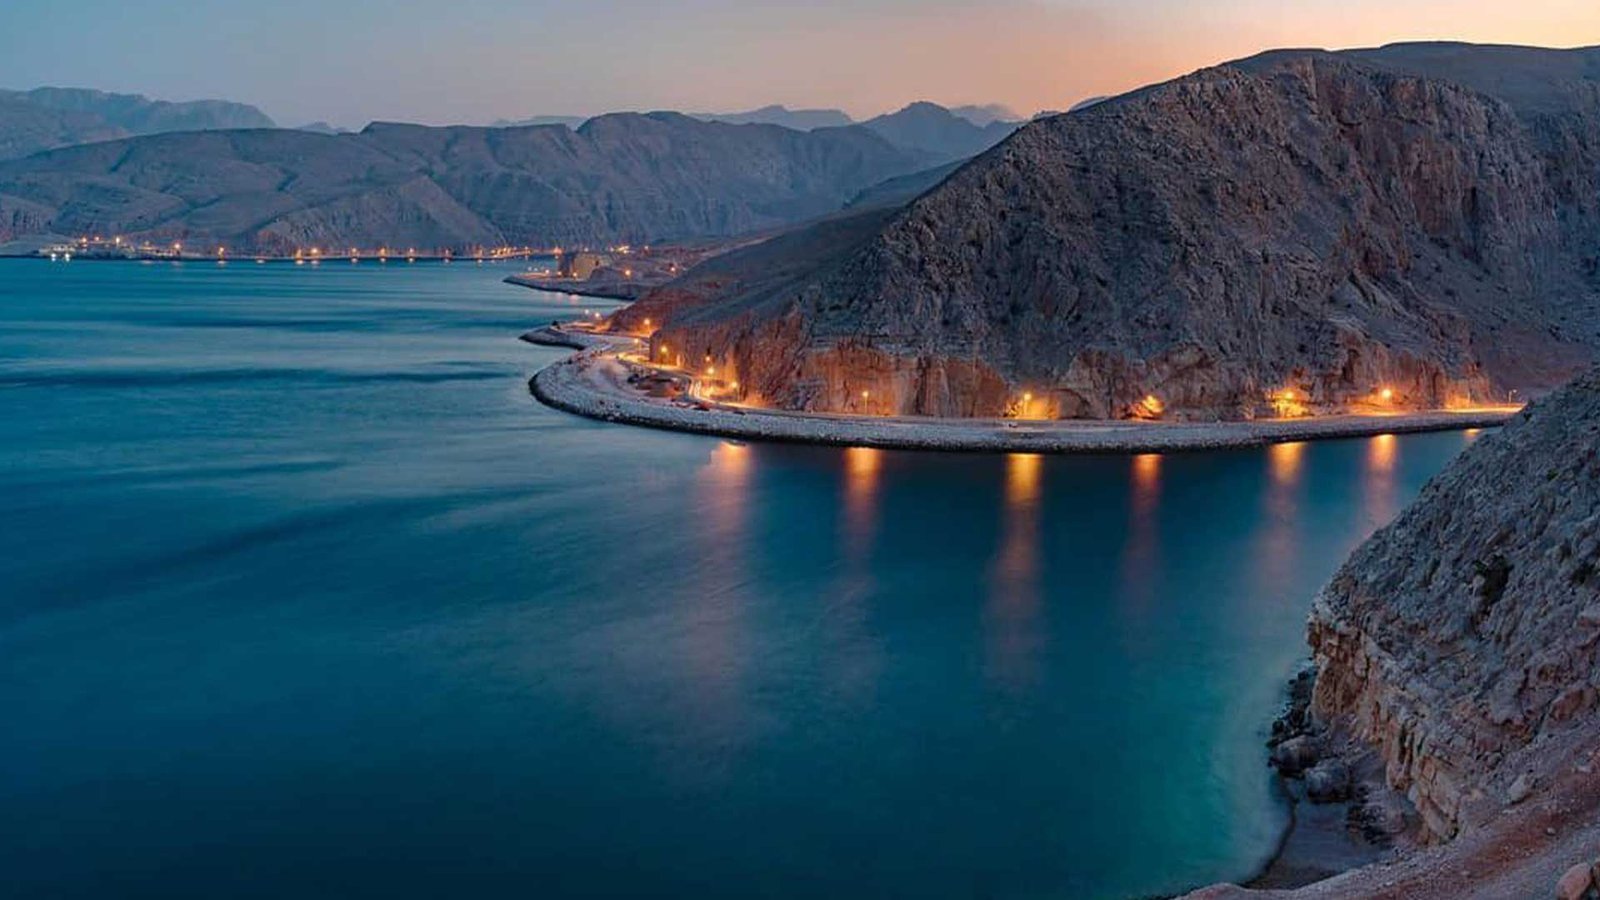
[(301, 594)]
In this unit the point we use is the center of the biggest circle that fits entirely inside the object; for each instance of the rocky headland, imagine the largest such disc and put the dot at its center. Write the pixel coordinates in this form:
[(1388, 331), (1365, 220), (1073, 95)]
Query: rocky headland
[(1457, 673), (1301, 232)]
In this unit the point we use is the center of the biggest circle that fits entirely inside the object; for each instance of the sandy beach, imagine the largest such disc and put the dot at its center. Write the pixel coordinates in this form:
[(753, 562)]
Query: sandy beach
[(595, 383)]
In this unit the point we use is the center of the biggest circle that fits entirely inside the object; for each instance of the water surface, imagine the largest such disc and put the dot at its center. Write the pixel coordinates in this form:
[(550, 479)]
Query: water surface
[(301, 594)]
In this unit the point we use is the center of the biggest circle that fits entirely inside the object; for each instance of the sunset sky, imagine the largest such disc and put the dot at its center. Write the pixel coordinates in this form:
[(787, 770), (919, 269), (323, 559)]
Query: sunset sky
[(478, 60)]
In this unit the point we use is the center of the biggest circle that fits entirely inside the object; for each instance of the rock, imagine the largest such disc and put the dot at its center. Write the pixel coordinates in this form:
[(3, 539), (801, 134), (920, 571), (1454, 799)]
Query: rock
[(1294, 756), (1292, 233), (1575, 883), (1519, 791), (1328, 782), (1448, 689)]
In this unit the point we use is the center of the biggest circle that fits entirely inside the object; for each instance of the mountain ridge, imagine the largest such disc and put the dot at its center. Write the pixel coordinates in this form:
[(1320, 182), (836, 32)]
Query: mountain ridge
[(46, 118), (1326, 224), (621, 177)]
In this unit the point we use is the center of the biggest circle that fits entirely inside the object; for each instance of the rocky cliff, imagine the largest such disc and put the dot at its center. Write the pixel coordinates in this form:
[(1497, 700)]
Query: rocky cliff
[(618, 178), (1469, 630), (1299, 231)]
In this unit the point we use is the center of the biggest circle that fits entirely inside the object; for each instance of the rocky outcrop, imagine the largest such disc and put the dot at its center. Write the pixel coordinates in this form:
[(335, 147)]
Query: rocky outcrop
[(1297, 232), (1463, 640), (623, 178)]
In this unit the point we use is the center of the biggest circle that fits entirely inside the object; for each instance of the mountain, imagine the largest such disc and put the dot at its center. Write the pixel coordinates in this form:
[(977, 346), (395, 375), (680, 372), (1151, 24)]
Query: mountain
[(49, 117), (902, 189), (320, 127), (1418, 218), (568, 121), (798, 119), (987, 114), (1461, 645), (618, 178), (932, 129), (1087, 102)]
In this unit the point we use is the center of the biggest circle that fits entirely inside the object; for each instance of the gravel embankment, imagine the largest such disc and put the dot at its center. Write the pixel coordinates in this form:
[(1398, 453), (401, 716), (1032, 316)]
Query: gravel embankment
[(593, 383)]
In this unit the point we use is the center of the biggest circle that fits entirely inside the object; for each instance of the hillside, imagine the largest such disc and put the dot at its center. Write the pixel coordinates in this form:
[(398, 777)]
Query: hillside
[(617, 178), (1417, 218), (48, 117)]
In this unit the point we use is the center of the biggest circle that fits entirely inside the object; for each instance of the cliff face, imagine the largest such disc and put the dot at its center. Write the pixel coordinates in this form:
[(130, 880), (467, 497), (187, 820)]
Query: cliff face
[(1463, 640), (1301, 222), (619, 178)]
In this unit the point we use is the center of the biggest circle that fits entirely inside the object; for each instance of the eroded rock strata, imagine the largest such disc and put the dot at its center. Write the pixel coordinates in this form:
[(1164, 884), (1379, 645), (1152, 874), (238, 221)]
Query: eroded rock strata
[(1468, 631), (1303, 226)]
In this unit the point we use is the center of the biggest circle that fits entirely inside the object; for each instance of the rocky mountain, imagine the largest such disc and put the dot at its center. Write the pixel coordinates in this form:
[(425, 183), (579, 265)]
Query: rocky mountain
[(1463, 640), (1417, 219), (903, 188), (798, 119), (49, 117), (622, 177), (938, 132)]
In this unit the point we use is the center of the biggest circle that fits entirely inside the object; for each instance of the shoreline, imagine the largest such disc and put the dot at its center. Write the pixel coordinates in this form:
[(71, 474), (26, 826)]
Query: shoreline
[(593, 383)]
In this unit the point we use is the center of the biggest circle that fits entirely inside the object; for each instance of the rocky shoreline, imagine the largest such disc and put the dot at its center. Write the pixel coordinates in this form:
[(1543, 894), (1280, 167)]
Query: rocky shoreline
[(1456, 693), (595, 383)]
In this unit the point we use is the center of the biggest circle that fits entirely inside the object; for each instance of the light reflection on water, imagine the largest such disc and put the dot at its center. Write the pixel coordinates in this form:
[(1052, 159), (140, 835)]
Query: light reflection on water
[(1142, 550), (855, 659), (1378, 482), (1013, 637), (1278, 551)]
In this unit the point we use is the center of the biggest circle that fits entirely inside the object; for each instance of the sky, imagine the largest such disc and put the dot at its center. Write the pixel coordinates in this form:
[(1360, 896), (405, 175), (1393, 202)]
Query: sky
[(474, 61)]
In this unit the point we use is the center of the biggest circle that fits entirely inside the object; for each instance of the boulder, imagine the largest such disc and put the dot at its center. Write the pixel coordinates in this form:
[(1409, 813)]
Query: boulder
[(1575, 884), (1519, 790), (1328, 782), (1294, 756)]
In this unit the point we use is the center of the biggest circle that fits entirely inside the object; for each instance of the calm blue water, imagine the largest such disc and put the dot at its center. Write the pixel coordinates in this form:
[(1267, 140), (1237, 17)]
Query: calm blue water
[(301, 594)]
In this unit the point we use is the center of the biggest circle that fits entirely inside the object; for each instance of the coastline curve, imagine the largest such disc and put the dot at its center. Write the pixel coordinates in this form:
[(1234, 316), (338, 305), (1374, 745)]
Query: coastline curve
[(593, 383)]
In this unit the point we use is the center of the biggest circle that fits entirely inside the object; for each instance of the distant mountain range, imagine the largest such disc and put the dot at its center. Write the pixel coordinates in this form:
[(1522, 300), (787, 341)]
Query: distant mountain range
[(122, 164), (939, 132), (803, 119), (49, 117), (624, 177), (569, 121), (798, 119)]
